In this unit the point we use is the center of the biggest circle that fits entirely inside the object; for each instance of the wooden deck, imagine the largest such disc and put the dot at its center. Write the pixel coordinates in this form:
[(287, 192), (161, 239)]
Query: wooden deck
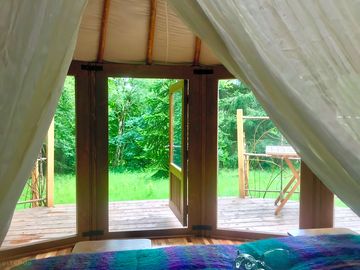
[(258, 215), (39, 224)]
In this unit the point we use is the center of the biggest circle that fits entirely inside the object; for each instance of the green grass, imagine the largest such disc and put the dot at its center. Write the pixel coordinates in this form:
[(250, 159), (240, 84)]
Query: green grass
[(140, 186), (122, 186), (64, 189), (228, 184), (137, 186)]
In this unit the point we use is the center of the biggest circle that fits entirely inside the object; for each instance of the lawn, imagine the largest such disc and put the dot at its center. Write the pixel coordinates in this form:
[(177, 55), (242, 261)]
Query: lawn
[(122, 187), (258, 180), (140, 186)]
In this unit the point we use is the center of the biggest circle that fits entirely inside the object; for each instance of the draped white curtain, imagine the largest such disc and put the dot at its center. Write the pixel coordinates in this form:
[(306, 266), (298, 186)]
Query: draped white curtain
[(37, 40), (302, 59)]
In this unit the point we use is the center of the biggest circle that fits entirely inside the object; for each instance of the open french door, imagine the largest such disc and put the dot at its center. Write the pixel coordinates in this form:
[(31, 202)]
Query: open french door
[(177, 148)]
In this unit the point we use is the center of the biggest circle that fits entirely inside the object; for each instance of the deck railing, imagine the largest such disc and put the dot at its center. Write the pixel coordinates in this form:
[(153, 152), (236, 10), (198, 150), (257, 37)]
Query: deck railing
[(248, 162), (39, 188)]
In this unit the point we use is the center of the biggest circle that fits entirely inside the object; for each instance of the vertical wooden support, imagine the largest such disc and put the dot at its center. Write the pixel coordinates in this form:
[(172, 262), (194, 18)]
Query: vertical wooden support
[(50, 166), (210, 110), (84, 187), (195, 157), (247, 173), (100, 158), (35, 184), (202, 162), (316, 201), (240, 144)]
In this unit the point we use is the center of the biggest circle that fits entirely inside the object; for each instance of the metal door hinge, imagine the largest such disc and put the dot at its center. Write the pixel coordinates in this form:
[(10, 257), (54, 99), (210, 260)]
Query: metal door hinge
[(93, 233), (203, 71), (201, 227), (93, 67)]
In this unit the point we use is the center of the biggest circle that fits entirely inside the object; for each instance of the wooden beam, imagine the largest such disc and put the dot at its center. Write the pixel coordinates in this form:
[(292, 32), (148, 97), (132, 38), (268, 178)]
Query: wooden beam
[(149, 55), (103, 30), (149, 71), (197, 51), (50, 166), (316, 201)]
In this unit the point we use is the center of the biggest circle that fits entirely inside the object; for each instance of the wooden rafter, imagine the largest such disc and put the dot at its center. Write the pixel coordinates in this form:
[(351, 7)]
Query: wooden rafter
[(104, 24), (149, 55), (197, 51)]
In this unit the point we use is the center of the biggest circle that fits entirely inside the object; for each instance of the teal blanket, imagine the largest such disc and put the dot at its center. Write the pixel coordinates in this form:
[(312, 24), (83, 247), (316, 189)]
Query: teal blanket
[(295, 253)]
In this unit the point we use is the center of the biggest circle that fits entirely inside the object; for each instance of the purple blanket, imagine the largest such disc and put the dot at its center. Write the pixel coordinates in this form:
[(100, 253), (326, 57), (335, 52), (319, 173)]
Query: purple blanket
[(302, 253)]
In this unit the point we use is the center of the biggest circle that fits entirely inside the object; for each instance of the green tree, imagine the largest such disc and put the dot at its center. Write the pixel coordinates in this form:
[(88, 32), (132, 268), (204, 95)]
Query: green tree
[(125, 107), (233, 95), (139, 124), (156, 127), (65, 129)]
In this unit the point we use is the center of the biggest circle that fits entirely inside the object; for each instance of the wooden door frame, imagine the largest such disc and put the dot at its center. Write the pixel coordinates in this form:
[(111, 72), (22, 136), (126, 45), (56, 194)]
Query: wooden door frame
[(101, 195), (196, 177), (92, 153), (202, 152), (320, 198), (210, 178)]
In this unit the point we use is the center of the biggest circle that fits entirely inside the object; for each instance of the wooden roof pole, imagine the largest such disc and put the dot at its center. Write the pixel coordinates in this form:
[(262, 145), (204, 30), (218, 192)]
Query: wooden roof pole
[(103, 30), (149, 54), (197, 51)]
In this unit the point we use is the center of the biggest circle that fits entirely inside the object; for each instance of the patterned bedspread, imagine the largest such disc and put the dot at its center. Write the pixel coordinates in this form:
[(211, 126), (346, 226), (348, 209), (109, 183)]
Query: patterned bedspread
[(302, 253)]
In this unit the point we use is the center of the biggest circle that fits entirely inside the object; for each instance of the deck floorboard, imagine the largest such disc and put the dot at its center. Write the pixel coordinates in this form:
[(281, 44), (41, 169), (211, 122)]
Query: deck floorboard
[(41, 224)]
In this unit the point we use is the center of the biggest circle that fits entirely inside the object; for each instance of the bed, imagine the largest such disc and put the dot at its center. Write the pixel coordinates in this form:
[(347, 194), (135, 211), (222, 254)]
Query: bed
[(295, 253)]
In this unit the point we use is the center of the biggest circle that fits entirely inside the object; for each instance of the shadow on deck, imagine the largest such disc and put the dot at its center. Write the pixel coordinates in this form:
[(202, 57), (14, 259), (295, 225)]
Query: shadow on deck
[(42, 223)]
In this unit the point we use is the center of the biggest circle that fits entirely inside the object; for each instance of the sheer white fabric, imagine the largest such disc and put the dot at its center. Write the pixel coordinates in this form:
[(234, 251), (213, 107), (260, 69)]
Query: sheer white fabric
[(302, 59), (37, 41)]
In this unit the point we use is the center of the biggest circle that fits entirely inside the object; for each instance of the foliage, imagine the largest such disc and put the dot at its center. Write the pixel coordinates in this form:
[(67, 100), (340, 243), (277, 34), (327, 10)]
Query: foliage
[(233, 95), (125, 109), (65, 129), (139, 124)]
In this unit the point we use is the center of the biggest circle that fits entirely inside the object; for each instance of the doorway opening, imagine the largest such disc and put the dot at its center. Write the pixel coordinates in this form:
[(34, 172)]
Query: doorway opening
[(147, 176)]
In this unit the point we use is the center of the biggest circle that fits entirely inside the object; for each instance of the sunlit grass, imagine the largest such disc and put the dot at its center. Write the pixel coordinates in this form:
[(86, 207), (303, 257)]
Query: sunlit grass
[(126, 186), (137, 186)]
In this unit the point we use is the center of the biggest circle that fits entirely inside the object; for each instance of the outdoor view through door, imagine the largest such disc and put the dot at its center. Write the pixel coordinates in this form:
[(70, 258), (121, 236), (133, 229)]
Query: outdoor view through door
[(146, 183), (46, 210), (259, 178)]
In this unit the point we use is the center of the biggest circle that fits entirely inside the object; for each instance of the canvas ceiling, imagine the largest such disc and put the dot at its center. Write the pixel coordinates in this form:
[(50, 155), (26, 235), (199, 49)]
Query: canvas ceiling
[(126, 35)]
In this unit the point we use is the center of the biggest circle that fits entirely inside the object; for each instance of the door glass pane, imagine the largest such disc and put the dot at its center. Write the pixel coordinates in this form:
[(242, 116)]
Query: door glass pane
[(46, 209), (177, 128)]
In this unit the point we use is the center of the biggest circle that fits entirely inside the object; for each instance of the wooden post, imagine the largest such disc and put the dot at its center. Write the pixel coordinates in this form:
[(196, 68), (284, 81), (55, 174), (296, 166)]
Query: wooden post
[(240, 143), (247, 173), (35, 184), (50, 166), (316, 201)]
